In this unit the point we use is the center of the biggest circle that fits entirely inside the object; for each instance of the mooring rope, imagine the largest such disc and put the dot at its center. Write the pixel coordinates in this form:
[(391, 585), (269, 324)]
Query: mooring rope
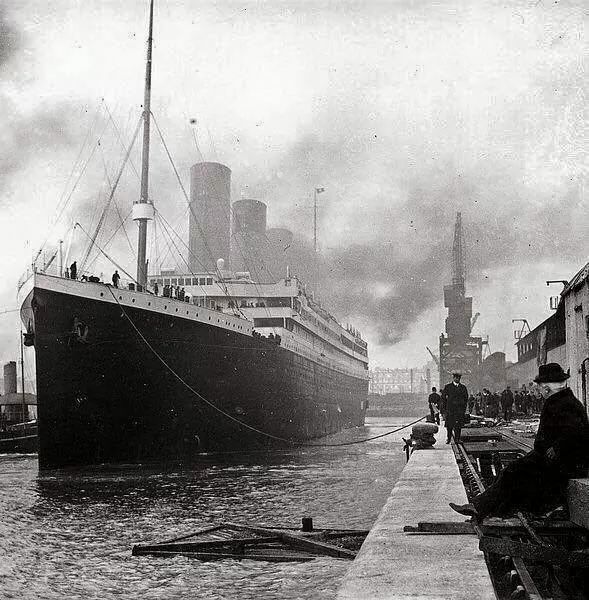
[(231, 417)]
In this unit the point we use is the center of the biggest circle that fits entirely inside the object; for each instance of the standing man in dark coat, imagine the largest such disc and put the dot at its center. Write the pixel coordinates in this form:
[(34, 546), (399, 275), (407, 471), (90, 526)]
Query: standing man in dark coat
[(538, 480), (454, 401), (507, 400), (434, 406)]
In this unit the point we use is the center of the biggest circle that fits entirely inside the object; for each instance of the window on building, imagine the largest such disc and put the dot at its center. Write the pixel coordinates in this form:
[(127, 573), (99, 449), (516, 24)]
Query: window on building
[(209, 281)]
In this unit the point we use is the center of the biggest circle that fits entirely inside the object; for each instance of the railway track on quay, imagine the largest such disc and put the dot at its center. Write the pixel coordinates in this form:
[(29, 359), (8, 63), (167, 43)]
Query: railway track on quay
[(528, 557)]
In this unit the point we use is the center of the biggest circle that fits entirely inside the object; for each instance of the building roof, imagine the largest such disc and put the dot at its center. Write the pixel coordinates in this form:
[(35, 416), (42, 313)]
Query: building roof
[(577, 280), (16, 398)]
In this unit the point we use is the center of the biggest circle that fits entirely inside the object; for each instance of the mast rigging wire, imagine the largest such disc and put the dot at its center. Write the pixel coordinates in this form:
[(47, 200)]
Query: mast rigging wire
[(111, 195), (107, 256), (69, 197)]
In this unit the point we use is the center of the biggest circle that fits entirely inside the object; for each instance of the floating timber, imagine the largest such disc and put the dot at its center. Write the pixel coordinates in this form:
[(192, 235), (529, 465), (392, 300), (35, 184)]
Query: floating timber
[(272, 544)]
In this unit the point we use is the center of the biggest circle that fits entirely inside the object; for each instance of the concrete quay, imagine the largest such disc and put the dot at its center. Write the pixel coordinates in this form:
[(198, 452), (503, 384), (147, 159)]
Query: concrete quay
[(394, 565)]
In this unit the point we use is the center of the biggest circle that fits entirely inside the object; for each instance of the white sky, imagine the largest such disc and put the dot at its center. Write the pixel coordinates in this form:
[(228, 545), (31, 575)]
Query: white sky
[(373, 100)]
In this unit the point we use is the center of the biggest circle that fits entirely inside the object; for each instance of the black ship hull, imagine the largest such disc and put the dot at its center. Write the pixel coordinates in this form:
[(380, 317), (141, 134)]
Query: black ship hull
[(119, 383)]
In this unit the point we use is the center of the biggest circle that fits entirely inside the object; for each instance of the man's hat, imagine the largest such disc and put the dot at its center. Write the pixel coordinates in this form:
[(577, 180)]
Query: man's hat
[(456, 374), (551, 373)]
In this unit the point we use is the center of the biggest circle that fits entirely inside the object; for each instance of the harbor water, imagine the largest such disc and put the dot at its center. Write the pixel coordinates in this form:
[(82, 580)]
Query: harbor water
[(68, 534)]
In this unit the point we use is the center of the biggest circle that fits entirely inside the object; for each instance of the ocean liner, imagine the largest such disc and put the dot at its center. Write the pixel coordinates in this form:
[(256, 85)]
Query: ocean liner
[(177, 363)]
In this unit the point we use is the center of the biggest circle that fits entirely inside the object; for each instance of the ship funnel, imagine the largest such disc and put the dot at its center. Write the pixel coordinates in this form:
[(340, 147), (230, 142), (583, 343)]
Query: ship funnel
[(249, 246), (210, 205)]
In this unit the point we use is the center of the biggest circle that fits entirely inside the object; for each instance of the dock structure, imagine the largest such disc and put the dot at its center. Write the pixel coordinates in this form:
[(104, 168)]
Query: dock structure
[(395, 565)]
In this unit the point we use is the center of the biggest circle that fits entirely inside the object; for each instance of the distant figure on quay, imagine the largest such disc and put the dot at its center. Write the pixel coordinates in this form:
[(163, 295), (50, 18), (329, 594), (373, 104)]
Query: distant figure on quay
[(507, 400), (453, 406), (434, 406), (538, 480)]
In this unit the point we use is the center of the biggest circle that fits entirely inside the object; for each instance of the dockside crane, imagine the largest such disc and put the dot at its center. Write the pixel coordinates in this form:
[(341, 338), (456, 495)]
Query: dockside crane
[(459, 349)]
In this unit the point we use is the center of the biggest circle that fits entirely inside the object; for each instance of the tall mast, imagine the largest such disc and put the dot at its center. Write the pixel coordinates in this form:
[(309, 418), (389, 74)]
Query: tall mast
[(143, 210)]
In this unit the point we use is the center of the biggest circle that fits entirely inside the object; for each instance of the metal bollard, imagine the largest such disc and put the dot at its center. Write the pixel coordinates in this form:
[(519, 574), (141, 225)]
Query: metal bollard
[(518, 593), (512, 578)]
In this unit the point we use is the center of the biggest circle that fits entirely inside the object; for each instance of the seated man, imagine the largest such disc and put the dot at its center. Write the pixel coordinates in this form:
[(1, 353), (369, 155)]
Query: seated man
[(538, 480)]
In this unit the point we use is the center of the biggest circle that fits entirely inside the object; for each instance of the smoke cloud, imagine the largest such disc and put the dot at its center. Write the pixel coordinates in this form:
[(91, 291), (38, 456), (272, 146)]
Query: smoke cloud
[(405, 117), (386, 221)]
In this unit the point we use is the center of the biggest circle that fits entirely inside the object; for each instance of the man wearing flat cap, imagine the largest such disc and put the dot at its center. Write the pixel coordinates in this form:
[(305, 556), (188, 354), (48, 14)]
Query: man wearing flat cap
[(538, 480), (453, 406)]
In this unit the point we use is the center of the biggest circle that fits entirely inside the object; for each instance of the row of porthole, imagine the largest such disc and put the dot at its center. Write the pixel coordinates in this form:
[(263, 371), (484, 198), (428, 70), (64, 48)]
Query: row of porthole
[(187, 312)]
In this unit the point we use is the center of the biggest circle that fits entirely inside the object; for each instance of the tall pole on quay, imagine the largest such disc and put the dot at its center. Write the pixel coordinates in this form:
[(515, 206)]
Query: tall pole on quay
[(61, 258), (316, 191)]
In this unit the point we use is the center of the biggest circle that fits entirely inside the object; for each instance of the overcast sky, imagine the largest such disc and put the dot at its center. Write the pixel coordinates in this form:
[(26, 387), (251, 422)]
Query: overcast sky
[(406, 112)]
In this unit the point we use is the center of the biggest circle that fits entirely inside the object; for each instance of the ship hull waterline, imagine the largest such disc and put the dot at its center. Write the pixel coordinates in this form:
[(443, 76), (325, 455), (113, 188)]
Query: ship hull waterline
[(103, 395)]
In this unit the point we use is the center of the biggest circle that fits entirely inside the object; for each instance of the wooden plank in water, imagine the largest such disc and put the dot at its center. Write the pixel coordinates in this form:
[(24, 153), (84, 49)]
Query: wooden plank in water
[(203, 545), (298, 541), (222, 555), (194, 533), (317, 547)]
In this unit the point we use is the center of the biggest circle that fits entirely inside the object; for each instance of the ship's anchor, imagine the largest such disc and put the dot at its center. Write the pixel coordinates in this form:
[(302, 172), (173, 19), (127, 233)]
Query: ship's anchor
[(79, 331), (29, 335)]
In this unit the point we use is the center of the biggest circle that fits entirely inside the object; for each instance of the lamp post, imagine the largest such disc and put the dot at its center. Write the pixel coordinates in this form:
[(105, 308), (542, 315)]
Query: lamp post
[(316, 191)]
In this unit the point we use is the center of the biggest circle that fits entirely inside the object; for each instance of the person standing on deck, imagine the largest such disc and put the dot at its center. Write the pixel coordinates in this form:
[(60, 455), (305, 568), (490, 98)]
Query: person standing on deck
[(453, 407), (434, 406), (115, 278), (538, 480), (74, 270)]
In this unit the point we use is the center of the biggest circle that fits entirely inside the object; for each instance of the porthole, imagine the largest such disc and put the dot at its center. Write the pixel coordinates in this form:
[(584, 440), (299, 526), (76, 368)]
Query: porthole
[(133, 300), (120, 297), (166, 306), (149, 304), (176, 310), (101, 294)]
